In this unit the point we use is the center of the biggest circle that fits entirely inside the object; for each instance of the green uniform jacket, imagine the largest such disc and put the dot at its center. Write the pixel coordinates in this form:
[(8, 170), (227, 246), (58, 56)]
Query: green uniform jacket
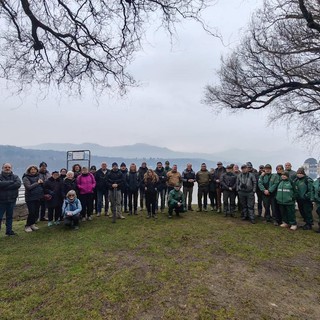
[(286, 192), (274, 182), (175, 197), (264, 182), (304, 188), (316, 190)]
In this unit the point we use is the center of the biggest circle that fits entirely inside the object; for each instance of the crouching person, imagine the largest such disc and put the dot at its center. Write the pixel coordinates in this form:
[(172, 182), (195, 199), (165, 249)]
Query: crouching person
[(71, 210), (176, 201), (286, 199)]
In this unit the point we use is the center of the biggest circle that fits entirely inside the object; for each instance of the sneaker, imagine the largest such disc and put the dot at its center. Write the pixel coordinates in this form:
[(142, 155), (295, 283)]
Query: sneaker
[(294, 227), (135, 212), (219, 210), (34, 227), (148, 216), (122, 217), (284, 225), (107, 214), (27, 229), (89, 218), (307, 227), (155, 216), (44, 219), (83, 219), (205, 210), (170, 216), (11, 233), (50, 223), (130, 213), (57, 222), (98, 214), (199, 210), (76, 228)]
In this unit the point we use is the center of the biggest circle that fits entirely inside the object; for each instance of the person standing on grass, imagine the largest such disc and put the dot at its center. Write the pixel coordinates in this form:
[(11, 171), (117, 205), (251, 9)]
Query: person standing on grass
[(86, 184), (93, 170), (264, 185), (316, 199), (124, 188), (53, 187), (69, 183), (102, 189), (176, 201), (292, 173), (228, 185), (212, 190), (44, 175), (151, 184), (188, 178), (9, 191), (71, 210), (218, 172), (115, 181), (246, 187), (203, 179), (285, 197), (33, 194), (141, 172), (259, 192), (304, 190), (173, 177), (161, 186), (133, 187)]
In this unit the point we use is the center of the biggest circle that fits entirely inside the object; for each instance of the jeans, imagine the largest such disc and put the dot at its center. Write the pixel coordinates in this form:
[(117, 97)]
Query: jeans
[(162, 195), (202, 191), (124, 200), (43, 207), (229, 201), (133, 195), (72, 221), (100, 195), (33, 212), (7, 208)]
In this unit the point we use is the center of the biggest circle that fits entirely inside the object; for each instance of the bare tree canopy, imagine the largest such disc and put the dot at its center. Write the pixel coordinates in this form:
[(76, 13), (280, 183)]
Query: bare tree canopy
[(71, 42), (276, 66)]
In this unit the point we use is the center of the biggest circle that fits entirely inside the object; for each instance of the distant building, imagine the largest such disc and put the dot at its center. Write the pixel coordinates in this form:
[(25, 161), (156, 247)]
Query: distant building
[(311, 168)]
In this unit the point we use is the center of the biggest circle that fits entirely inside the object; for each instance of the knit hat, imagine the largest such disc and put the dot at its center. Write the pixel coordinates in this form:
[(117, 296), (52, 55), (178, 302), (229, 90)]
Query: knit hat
[(55, 171), (301, 171), (42, 164), (167, 162), (261, 166), (122, 164), (114, 164), (268, 166), (93, 168), (249, 164), (244, 166)]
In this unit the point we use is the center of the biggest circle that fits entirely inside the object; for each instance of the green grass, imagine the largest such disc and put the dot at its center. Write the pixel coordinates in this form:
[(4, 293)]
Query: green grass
[(201, 266)]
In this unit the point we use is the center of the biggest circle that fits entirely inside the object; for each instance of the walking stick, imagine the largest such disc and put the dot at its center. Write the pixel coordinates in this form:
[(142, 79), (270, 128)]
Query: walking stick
[(114, 206)]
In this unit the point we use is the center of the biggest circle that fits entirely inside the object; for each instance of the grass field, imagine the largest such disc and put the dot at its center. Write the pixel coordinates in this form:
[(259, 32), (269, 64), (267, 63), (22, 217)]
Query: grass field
[(200, 266)]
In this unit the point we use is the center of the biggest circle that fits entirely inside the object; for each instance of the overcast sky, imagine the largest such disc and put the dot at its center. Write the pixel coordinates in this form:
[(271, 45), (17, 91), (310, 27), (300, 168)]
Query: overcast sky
[(165, 110)]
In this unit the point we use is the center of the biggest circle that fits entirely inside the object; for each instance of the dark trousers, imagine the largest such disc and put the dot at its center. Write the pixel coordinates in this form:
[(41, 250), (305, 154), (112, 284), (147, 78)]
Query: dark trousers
[(7, 208), (33, 212), (247, 205), (176, 208), (260, 201), (142, 193), (187, 191), (124, 200), (133, 198), (229, 201), (276, 212), (268, 205), (43, 207), (87, 204), (305, 208), (202, 192), (95, 200), (56, 212), (213, 198), (72, 221), (162, 195), (102, 194), (219, 192), (288, 213), (151, 199)]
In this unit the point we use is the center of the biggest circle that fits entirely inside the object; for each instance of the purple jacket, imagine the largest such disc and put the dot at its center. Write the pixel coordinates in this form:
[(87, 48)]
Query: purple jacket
[(86, 183)]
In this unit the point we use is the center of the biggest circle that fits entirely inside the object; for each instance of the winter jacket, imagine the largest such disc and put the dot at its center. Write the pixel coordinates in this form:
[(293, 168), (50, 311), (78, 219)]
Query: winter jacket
[(212, 183), (115, 177), (264, 182), (132, 181), (54, 188), (102, 180), (44, 176), (285, 192), (162, 175), (203, 178), (175, 197), (74, 207), (246, 182), (173, 178), (187, 175), (228, 180), (141, 172), (33, 189), (304, 188), (218, 172), (9, 187), (292, 175), (274, 182), (124, 186), (167, 169), (67, 185), (86, 183), (316, 191), (151, 187)]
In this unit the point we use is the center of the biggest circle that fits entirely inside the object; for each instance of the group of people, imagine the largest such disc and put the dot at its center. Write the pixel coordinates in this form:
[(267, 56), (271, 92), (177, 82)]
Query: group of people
[(71, 196)]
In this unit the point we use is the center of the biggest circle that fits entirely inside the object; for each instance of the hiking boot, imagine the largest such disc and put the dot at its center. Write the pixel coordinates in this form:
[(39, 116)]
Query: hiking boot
[(121, 216), (205, 210), (284, 225), (130, 213), (199, 210), (11, 233), (307, 227), (83, 219), (170, 216), (34, 227), (50, 223), (99, 214), (219, 210), (89, 218), (294, 227), (149, 216), (27, 229), (44, 219), (155, 216), (76, 228), (57, 222), (252, 221), (135, 212)]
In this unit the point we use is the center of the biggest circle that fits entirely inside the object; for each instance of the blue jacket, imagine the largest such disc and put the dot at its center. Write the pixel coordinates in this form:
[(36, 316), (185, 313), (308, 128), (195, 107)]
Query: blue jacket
[(74, 207)]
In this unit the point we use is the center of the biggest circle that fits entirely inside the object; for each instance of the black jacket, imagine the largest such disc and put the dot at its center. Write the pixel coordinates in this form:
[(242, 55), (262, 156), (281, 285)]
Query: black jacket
[(151, 187), (186, 175), (141, 172), (162, 175), (102, 180), (132, 181), (9, 187), (68, 185), (115, 177), (33, 189), (124, 186), (228, 180), (54, 188)]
